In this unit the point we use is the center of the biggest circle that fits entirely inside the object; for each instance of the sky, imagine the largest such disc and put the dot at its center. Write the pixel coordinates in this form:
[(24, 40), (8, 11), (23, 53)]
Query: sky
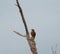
[(42, 15)]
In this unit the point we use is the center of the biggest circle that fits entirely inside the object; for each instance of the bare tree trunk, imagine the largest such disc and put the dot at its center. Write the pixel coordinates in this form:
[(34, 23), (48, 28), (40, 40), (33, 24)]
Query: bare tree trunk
[(31, 41)]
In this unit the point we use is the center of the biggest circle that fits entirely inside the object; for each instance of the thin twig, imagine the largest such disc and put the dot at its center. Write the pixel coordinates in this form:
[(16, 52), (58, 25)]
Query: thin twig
[(19, 34), (54, 51)]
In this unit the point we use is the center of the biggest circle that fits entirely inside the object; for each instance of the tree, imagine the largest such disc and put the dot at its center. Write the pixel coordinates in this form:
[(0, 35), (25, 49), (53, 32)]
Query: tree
[(30, 41)]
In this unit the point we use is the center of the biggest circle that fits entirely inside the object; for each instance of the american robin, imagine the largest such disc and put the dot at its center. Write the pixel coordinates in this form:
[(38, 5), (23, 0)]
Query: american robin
[(33, 33)]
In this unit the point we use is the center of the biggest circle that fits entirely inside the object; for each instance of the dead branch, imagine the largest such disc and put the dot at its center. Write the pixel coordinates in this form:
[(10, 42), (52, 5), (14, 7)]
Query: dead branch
[(19, 34), (23, 19), (31, 42), (54, 51)]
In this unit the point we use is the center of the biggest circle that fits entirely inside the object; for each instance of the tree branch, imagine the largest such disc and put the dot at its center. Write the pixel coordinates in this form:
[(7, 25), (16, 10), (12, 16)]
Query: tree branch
[(31, 42), (19, 34), (54, 51), (23, 19)]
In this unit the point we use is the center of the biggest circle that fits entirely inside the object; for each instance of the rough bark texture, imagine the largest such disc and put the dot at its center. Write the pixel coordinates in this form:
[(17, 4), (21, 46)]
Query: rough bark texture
[(31, 41)]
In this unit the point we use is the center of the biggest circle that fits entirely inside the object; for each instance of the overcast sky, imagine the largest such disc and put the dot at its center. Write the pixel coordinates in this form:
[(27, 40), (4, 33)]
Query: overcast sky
[(42, 15)]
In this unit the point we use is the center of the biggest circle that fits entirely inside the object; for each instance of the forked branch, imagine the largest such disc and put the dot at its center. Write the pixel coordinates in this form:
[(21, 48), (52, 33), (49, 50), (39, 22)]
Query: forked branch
[(54, 51), (31, 42)]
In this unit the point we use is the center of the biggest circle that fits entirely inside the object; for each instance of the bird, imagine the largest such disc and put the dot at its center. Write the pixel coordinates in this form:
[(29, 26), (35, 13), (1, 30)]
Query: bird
[(33, 33)]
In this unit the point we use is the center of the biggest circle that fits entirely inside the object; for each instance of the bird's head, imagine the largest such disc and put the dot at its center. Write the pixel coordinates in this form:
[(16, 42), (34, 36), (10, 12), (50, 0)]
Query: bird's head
[(32, 30)]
